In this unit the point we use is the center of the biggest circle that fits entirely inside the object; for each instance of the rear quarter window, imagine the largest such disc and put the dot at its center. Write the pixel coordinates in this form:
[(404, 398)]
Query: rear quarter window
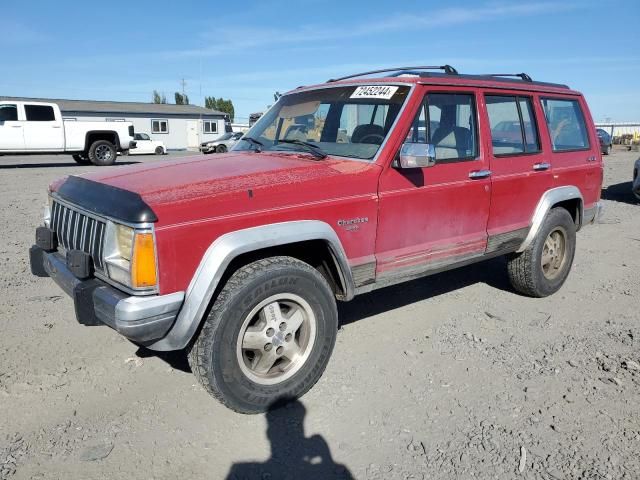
[(567, 127)]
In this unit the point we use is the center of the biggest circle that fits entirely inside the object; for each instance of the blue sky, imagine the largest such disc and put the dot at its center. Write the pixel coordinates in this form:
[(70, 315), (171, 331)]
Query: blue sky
[(248, 50)]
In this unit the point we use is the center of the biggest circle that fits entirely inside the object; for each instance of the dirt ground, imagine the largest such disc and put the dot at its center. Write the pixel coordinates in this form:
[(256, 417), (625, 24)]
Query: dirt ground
[(453, 376)]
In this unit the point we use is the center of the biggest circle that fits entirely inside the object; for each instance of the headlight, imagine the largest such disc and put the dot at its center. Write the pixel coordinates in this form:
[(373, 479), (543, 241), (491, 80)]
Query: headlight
[(47, 214), (130, 256)]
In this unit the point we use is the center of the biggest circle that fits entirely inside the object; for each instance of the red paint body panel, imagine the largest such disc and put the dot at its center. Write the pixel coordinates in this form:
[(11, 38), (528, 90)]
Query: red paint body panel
[(199, 199), (415, 216)]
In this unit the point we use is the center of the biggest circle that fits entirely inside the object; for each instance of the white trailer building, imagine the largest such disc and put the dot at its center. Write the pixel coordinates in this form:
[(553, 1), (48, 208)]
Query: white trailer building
[(180, 127)]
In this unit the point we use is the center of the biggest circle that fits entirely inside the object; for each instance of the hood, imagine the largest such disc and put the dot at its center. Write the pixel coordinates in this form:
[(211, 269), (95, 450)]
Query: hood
[(237, 183)]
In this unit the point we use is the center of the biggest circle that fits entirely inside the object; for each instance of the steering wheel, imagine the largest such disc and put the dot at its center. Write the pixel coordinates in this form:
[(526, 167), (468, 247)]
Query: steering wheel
[(374, 139)]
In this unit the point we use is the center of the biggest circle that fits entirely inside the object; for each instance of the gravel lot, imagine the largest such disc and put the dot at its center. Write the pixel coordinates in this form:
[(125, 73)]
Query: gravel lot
[(453, 376)]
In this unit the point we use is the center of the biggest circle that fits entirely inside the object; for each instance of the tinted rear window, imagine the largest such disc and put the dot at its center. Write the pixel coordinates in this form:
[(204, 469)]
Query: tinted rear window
[(39, 113)]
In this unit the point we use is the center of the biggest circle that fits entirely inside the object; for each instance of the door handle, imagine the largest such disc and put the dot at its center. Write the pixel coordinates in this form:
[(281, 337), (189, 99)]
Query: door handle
[(478, 174), (55, 126), (539, 167), (16, 126)]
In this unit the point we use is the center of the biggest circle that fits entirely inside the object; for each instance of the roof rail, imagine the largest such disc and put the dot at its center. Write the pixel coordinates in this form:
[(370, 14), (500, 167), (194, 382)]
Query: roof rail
[(523, 76), (448, 69)]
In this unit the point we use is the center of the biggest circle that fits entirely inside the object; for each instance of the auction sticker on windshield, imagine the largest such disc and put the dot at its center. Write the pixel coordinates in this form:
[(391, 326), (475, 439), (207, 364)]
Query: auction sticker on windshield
[(374, 91)]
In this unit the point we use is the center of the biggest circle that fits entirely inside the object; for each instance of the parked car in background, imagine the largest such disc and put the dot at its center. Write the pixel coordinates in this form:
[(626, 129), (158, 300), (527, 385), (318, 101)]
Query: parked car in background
[(606, 142), (222, 144), (636, 179), (241, 259), (37, 127), (144, 145)]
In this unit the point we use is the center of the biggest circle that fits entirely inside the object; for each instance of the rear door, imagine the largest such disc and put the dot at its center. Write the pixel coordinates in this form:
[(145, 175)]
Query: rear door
[(42, 128), (521, 169), (436, 215), (11, 128)]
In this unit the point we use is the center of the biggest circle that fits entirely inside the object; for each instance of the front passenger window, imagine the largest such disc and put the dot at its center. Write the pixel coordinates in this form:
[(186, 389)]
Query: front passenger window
[(448, 121), (8, 113)]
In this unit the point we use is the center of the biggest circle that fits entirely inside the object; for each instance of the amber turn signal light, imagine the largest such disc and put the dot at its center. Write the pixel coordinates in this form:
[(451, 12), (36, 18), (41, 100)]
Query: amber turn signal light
[(143, 266)]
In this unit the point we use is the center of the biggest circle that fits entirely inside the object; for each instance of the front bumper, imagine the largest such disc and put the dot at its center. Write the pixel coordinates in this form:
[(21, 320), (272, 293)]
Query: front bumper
[(140, 319)]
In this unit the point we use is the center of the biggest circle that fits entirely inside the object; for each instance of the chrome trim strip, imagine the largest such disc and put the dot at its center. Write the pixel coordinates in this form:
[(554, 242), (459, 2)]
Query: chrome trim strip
[(548, 200), (227, 247)]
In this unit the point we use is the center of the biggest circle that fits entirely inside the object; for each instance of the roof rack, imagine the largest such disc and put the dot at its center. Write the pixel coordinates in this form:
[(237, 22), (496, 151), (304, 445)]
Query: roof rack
[(448, 69), (522, 76)]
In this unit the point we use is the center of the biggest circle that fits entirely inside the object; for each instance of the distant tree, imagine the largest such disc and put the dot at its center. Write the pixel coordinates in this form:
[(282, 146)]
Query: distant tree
[(181, 99), (157, 98), (221, 105), (210, 103)]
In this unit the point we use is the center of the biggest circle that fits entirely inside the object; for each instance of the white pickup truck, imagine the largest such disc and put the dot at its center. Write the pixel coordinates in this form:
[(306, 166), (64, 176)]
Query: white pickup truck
[(36, 127)]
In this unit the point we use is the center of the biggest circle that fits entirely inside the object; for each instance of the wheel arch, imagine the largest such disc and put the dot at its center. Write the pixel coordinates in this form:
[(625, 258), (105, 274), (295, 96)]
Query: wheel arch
[(568, 197), (234, 249), (95, 135)]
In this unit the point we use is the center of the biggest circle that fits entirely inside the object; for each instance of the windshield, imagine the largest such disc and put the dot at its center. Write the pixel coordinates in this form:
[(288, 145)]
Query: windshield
[(226, 136), (343, 121)]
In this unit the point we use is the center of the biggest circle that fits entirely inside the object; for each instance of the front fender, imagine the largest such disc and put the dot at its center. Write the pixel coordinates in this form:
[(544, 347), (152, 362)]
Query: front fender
[(229, 246)]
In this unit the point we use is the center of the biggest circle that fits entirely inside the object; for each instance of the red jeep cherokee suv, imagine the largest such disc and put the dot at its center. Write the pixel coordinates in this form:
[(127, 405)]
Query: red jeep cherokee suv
[(339, 189)]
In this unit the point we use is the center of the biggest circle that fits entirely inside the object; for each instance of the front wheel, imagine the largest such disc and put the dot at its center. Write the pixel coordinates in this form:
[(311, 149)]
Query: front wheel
[(607, 150), (159, 151), (221, 148), (268, 337), (102, 153), (543, 267)]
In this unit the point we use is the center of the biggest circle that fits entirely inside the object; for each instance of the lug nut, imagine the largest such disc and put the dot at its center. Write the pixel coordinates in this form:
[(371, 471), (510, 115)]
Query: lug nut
[(268, 347), (287, 337), (279, 350), (283, 327), (270, 332)]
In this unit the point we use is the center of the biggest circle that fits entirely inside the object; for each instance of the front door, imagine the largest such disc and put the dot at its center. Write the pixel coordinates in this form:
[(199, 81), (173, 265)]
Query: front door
[(433, 216), (192, 134), (11, 130), (42, 130)]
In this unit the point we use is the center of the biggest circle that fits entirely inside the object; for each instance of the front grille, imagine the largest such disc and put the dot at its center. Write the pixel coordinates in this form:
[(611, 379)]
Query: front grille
[(78, 231)]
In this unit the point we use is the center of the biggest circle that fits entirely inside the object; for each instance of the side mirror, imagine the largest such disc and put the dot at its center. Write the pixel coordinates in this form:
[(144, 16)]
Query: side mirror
[(417, 155)]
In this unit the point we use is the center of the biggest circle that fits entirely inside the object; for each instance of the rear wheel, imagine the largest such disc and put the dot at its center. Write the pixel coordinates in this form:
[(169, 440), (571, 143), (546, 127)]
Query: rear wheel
[(268, 337), (607, 150), (102, 153), (81, 159), (221, 148), (544, 266)]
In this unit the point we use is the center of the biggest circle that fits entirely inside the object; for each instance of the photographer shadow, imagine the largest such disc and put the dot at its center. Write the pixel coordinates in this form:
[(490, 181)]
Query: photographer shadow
[(293, 456)]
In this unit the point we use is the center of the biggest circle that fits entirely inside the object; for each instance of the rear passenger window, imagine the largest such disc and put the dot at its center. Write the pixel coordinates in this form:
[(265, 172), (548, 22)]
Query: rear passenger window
[(39, 113), (448, 121), (513, 125), (566, 124)]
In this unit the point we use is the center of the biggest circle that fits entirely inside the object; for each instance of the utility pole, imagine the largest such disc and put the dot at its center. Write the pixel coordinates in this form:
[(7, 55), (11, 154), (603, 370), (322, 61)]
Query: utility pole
[(183, 82)]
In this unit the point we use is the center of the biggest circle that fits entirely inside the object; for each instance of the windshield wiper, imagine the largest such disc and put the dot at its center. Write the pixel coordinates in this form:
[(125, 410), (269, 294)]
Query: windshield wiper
[(255, 142), (314, 150)]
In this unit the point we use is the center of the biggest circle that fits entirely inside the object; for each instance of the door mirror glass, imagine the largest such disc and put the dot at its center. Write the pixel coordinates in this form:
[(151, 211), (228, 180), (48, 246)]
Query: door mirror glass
[(417, 155)]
